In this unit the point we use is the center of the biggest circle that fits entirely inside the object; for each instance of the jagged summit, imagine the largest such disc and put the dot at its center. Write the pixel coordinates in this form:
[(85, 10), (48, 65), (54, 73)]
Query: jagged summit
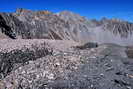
[(20, 10), (68, 15), (114, 20)]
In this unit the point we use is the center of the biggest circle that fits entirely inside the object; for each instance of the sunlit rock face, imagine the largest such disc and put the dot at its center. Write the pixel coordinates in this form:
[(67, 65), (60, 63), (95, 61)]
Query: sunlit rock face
[(66, 25)]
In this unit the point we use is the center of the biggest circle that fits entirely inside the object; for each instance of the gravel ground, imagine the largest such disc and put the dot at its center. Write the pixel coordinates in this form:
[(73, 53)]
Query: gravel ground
[(9, 44), (104, 67)]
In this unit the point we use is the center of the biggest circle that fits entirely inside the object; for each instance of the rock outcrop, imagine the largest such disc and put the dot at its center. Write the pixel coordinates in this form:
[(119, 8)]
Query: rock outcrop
[(5, 25)]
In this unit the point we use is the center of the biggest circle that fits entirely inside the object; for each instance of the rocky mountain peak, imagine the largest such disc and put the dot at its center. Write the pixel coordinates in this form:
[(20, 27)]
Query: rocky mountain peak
[(27, 13), (43, 12), (22, 10), (68, 15)]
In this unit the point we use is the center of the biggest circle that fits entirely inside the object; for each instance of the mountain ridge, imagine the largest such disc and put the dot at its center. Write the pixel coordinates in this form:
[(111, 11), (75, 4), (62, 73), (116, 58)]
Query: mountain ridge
[(66, 25)]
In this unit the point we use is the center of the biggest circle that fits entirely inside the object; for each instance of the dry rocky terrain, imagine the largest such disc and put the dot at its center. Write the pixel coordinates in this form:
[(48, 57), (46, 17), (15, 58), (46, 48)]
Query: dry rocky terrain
[(56, 64), (45, 50)]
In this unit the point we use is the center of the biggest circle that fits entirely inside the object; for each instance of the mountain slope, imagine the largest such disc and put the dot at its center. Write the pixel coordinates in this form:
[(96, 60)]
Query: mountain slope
[(113, 31), (66, 25)]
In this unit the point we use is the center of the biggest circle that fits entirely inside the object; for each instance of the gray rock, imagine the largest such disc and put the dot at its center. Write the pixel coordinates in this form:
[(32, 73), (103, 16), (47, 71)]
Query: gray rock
[(75, 69), (65, 25)]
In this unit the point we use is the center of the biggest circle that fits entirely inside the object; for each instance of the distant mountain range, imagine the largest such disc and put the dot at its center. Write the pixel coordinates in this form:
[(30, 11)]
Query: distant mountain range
[(66, 25)]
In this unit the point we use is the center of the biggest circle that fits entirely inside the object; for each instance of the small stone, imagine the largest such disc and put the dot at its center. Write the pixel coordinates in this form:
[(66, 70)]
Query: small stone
[(92, 57), (129, 87), (91, 86), (30, 62), (101, 74), (23, 72), (109, 69), (37, 76), (44, 73), (50, 76), (57, 63)]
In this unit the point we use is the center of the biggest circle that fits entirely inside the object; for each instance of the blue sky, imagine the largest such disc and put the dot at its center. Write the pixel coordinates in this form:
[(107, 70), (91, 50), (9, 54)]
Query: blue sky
[(122, 9)]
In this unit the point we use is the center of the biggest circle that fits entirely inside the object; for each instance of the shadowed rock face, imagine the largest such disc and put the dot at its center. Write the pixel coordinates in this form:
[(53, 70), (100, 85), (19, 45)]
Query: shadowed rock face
[(27, 24), (5, 28)]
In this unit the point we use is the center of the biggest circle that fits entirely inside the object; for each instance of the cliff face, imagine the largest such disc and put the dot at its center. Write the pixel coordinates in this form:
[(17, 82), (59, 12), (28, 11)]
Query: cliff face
[(6, 23), (27, 24)]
